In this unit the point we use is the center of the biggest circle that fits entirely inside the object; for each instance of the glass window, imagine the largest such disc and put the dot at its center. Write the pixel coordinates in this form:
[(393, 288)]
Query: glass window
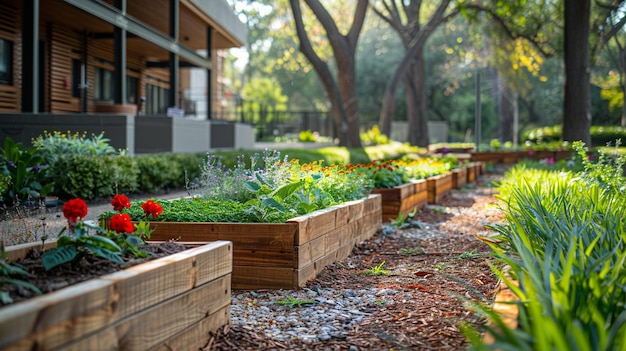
[(156, 100), (76, 78), (131, 90), (6, 62), (103, 85)]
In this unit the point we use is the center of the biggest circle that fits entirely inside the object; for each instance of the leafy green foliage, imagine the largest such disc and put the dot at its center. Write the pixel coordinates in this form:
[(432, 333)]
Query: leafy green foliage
[(57, 144), (377, 270), (73, 249), (564, 241), (24, 168), (8, 272), (600, 135)]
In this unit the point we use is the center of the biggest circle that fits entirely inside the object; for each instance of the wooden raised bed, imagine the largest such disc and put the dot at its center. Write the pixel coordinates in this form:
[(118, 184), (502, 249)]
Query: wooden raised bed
[(285, 255), (438, 186), (173, 302), (459, 177), (472, 173), (403, 199)]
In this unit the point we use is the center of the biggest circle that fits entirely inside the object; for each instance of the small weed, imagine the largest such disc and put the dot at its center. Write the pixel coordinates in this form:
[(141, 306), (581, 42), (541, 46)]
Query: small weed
[(377, 270), (295, 302), (440, 209), (440, 266), (465, 255), (7, 270), (380, 302), (411, 251), (406, 221)]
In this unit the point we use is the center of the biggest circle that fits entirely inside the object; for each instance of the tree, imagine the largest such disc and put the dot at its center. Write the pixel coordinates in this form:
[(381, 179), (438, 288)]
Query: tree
[(405, 20), (341, 91), (577, 101)]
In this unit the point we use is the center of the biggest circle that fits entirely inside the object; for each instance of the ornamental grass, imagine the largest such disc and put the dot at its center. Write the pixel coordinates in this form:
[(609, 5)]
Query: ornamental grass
[(564, 242)]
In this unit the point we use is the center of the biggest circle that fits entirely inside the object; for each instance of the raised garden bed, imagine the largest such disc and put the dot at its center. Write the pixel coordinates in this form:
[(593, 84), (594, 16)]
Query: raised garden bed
[(285, 255), (459, 177), (402, 199), (438, 186), (172, 302)]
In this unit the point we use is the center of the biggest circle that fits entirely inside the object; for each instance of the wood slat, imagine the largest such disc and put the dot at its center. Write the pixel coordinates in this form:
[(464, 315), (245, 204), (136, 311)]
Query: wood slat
[(251, 278), (243, 235), (196, 337), (155, 326)]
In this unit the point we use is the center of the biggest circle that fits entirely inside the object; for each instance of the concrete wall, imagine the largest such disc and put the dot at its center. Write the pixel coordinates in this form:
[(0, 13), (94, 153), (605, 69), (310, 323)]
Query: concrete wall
[(138, 135), (244, 136), (437, 131), (190, 135), (25, 127)]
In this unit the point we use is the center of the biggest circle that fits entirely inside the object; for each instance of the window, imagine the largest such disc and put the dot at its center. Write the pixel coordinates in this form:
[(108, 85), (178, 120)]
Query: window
[(156, 99), (103, 86), (6, 62), (77, 68), (131, 90)]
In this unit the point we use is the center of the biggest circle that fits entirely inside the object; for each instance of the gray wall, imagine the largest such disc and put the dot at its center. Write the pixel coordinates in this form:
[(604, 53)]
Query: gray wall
[(138, 135)]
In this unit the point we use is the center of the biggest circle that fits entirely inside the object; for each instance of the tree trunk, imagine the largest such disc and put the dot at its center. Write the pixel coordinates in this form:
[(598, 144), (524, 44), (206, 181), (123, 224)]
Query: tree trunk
[(577, 100), (418, 122)]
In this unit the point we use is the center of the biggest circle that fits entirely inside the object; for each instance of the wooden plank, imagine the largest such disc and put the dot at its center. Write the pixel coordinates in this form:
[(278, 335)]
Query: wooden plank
[(332, 238), (303, 275), (18, 252), (356, 210), (321, 223), (302, 227), (264, 258), (154, 326), (309, 252), (242, 235), (322, 262), (86, 307), (251, 278), (342, 215), (197, 336)]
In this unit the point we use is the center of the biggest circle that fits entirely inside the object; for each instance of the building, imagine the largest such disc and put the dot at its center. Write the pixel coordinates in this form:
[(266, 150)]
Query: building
[(118, 66)]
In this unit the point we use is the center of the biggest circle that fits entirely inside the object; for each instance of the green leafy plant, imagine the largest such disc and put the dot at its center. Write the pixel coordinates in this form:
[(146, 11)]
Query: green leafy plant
[(24, 167), (406, 221), (292, 302), (467, 254), (8, 272), (411, 251), (377, 270), (564, 243)]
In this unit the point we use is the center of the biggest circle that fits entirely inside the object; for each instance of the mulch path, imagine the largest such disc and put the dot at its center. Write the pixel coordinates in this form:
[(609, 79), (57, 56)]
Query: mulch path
[(437, 269)]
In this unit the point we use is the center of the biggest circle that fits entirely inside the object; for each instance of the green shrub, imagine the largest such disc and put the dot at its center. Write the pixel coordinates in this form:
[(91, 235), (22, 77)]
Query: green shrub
[(55, 144), (307, 136), (157, 172), (83, 176), (373, 136), (553, 136)]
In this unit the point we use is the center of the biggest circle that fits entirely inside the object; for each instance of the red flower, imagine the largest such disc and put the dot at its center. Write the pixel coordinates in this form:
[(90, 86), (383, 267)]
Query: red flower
[(152, 208), (74, 210), (120, 222), (120, 202)]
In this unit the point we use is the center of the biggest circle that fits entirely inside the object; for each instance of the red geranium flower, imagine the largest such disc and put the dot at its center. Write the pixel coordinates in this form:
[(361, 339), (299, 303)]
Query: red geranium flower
[(120, 222), (152, 208), (75, 209), (120, 202)]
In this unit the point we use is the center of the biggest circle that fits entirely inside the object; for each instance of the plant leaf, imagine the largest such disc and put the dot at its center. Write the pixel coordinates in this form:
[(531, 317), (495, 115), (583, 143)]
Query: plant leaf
[(58, 256)]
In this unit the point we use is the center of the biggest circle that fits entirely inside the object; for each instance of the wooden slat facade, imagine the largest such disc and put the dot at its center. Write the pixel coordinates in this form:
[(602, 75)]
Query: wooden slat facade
[(10, 97)]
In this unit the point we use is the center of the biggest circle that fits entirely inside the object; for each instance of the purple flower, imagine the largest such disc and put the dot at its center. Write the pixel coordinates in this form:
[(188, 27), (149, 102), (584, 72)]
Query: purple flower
[(36, 168), (11, 164)]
